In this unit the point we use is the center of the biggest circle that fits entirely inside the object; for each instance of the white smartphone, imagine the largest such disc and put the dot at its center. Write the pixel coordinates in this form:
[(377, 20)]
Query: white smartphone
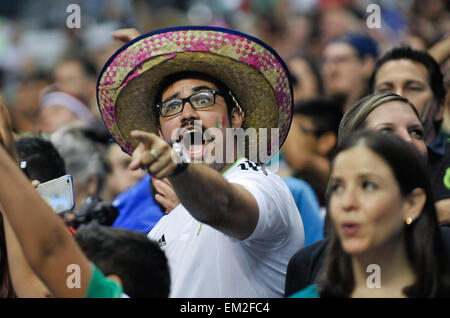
[(58, 193)]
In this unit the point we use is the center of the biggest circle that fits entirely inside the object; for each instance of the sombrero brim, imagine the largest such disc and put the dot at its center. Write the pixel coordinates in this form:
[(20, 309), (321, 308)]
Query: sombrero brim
[(254, 73)]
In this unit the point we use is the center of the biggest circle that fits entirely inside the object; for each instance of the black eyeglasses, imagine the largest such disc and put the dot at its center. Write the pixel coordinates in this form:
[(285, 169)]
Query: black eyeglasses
[(198, 100)]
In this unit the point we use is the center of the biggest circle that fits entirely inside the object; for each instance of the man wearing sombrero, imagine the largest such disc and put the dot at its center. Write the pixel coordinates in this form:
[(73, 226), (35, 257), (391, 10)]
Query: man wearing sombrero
[(237, 224)]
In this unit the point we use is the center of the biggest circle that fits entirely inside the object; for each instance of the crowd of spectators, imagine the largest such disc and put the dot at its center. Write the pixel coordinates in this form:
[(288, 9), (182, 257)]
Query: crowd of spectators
[(345, 71)]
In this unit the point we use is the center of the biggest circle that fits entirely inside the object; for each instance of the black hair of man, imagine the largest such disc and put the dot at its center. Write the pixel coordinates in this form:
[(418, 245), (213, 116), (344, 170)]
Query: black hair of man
[(43, 161), (324, 113), (435, 77), (138, 261)]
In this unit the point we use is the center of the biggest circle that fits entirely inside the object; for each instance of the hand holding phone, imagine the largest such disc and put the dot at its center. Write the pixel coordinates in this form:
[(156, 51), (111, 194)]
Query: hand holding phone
[(58, 193)]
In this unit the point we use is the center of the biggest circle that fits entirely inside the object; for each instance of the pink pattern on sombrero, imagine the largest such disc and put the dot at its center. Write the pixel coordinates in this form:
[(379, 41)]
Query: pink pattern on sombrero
[(107, 109), (187, 42), (128, 64), (134, 74)]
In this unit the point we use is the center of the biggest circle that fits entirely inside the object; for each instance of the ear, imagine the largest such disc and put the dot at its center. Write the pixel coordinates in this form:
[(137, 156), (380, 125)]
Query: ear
[(236, 118), (414, 203), (326, 143), (368, 66), (159, 132)]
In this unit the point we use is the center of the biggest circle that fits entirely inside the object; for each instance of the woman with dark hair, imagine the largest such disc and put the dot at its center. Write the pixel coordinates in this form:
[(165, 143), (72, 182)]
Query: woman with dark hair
[(384, 112), (382, 215), (305, 75)]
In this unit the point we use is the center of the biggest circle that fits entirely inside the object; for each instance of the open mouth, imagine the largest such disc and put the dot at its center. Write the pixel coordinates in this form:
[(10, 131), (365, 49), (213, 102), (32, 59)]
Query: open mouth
[(350, 229), (194, 142)]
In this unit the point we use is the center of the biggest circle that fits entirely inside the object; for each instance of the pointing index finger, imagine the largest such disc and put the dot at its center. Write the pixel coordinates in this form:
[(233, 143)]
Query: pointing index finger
[(145, 137)]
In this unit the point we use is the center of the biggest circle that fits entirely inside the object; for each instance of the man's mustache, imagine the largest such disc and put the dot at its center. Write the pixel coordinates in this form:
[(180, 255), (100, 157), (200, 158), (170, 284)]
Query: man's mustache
[(182, 131)]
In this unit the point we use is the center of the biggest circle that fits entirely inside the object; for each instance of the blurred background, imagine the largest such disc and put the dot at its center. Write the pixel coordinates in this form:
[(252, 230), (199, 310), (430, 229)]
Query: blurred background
[(34, 37), (49, 67)]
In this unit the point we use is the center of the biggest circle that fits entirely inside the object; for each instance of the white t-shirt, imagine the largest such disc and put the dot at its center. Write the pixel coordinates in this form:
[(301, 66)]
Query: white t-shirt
[(205, 262)]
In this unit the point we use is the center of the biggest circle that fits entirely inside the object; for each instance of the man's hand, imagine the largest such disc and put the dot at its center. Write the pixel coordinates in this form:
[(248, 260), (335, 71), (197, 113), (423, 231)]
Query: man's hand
[(166, 195), (35, 183), (125, 35), (153, 154), (6, 134)]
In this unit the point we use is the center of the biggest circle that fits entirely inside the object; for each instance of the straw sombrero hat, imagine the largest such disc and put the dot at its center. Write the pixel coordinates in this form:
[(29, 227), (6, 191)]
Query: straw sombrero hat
[(252, 70)]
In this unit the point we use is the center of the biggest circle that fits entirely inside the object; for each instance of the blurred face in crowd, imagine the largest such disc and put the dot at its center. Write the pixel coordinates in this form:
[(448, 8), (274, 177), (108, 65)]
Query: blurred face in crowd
[(305, 129), (410, 80), (334, 21), (405, 78), (343, 71), (306, 136), (121, 177), (307, 85), (28, 96), (70, 77), (366, 205), (55, 117), (399, 118)]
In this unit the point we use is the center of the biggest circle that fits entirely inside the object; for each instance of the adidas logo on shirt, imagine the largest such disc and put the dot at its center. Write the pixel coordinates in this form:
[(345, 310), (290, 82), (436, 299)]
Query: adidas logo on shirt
[(162, 241)]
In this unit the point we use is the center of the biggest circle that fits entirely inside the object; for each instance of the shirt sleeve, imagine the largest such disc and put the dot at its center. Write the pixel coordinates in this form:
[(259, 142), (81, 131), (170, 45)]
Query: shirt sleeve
[(273, 199), (102, 287), (309, 292)]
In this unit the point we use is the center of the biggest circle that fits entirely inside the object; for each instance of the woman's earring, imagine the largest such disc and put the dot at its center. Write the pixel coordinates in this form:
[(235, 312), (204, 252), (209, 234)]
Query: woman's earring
[(409, 220)]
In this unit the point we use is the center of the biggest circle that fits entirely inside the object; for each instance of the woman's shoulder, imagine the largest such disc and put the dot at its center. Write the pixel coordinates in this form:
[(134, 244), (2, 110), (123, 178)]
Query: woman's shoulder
[(308, 292)]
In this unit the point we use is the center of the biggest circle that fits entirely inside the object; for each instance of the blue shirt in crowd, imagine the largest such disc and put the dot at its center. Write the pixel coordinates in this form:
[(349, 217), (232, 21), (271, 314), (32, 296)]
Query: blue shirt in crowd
[(309, 208), (138, 210)]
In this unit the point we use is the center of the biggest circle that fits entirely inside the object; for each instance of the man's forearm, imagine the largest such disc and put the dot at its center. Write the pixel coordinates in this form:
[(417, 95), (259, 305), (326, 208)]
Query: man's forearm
[(204, 192), (24, 281), (441, 50), (40, 232), (21, 212), (212, 200)]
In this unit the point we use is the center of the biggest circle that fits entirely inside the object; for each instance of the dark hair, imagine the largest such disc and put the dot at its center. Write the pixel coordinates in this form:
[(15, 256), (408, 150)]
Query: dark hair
[(325, 114), (43, 162), (424, 244), (138, 261), (435, 77), (314, 67)]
